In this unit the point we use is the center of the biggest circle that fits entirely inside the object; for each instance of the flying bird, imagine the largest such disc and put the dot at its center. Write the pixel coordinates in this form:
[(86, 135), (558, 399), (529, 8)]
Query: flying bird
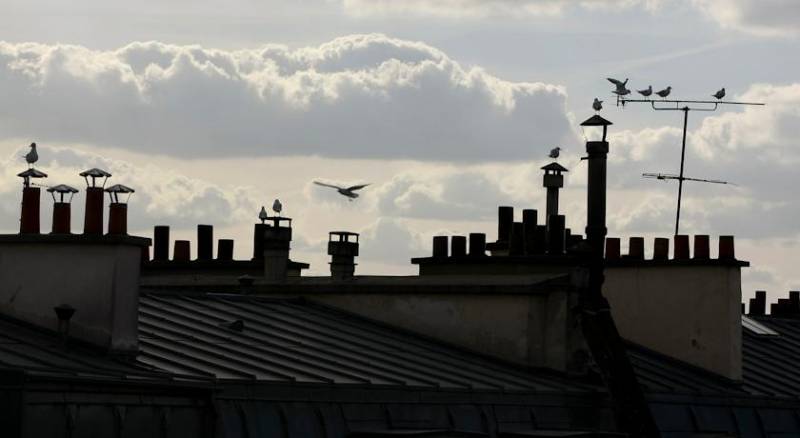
[(349, 192), (277, 207), (719, 94), (556, 151), (619, 84), (665, 92), (597, 105), (32, 157), (263, 214), (647, 92)]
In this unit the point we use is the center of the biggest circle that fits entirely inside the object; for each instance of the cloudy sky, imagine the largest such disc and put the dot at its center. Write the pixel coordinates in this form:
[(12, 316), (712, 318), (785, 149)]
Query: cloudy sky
[(448, 107)]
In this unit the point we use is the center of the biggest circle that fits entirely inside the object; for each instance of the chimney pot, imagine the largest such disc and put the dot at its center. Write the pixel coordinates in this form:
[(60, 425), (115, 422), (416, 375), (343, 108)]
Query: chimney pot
[(612, 248), (681, 247), (661, 248), (440, 249), (516, 245), (259, 231), (458, 246), (505, 219), (636, 248), (530, 220), (161, 243), (225, 250), (182, 251), (205, 242), (343, 249), (758, 305), (477, 244), (29, 222), (117, 218), (93, 215), (701, 247), (555, 234), (726, 248), (61, 218)]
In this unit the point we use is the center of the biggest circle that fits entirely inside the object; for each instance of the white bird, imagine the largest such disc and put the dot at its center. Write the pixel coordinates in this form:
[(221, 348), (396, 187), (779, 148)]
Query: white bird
[(647, 92), (597, 105), (263, 214), (719, 94), (556, 151), (32, 157), (665, 92), (349, 192), (277, 207)]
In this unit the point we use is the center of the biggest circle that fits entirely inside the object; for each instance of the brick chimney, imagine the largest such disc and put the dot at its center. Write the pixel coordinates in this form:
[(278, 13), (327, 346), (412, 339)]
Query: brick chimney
[(277, 239), (93, 214), (118, 209), (31, 201)]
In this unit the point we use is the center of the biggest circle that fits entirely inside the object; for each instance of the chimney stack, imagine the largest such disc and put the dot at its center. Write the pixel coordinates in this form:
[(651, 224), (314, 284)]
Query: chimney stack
[(118, 209), (530, 220), (93, 216), (343, 249), (205, 242), (259, 231), (62, 208), (276, 242), (161, 243), (31, 197), (555, 234), (182, 251), (505, 220), (516, 245), (458, 246), (477, 244), (552, 181), (225, 250), (440, 249)]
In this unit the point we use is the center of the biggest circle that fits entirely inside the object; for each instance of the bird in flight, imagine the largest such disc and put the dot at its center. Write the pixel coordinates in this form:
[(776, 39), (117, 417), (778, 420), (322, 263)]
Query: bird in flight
[(665, 92), (556, 151), (277, 207), (647, 92), (32, 157), (349, 192), (597, 105), (719, 94)]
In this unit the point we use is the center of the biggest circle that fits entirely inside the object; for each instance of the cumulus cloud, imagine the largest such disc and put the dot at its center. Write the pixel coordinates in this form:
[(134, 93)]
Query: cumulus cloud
[(761, 17), (365, 96)]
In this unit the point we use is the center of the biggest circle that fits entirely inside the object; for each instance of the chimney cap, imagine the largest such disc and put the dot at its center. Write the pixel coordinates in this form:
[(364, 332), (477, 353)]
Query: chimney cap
[(32, 173), (119, 188), (596, 120), (555, 167), (95, 173), (62, 188)]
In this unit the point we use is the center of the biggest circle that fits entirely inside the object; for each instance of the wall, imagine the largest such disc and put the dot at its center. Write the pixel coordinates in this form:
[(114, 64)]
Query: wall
[(691, 313)]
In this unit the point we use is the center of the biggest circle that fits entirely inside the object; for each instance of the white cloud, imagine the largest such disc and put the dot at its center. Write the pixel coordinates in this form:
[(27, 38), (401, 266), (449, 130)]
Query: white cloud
[(483, 8), (760, 17), (364, 96)]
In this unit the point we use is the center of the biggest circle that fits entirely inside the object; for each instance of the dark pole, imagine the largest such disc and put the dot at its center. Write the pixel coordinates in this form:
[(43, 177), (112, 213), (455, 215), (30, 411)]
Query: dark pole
[(680, 177)]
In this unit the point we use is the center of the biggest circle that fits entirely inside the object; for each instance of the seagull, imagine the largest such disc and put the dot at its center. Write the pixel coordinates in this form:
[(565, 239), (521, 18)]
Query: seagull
[(263, 214), (597, 105), (621, 90), (719, 94), (665, 92), (556, 151), (345, 191), (619, 84), (277, 207), (32, 157), (647, 92)]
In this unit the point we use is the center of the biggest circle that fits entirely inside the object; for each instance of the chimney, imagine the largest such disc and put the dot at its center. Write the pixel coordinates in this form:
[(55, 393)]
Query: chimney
[(277, 238), (516, 246), (458, 246), (119, 196), (552, 181), (182, 251), (505, 220), (661, 248), (205, 242), (612, 248), (259, 231), (758, 305), (62, 198), (440, 249), (636, 248), (343, 249), (555, 234), (161, 243), (681, 247), (31, 196), (477, 244), (93, 216), (225, 250), (530, 220)]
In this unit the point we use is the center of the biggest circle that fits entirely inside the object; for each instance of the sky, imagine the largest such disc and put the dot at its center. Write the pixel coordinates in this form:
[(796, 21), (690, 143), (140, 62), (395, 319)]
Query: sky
[(447, 108)]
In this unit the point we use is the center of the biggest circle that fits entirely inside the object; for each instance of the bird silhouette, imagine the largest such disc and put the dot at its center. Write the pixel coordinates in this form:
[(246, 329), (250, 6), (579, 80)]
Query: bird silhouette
[(597, 105), (32, 156), (263, 214), (277, 207), (665, 92), (555, 152), (618, 83), (719, 94), (349, 192), (647, 92)]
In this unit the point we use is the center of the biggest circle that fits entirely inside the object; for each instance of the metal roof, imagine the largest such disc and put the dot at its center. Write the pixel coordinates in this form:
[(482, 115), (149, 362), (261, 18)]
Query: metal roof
[(294, 340)]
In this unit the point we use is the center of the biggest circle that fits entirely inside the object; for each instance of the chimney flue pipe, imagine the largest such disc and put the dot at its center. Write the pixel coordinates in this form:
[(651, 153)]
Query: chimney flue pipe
[(343, 249), (440, 249), (119, 195), (530, 220), (182, 251), (29, 221), (477, 244), (516, 246), (552, 181), (225, 250), (205, 242), (93, 215), (161, 243), (458, 246), (276, 241), (505, 220), (555, 234)]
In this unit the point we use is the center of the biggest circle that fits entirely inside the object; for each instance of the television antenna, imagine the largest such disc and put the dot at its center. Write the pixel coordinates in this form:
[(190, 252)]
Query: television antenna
[(663, 104)]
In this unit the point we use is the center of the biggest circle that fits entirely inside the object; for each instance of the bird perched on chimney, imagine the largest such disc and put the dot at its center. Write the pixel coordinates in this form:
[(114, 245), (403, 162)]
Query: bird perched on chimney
[(263, 214), (647, 92), (277, 207), (597, 105), (719, 94), (555, 152), (665, 92), (32, 157)]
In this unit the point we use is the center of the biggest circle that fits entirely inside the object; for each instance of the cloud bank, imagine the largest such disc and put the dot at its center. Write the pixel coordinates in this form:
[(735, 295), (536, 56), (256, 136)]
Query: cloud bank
[(360, 96)]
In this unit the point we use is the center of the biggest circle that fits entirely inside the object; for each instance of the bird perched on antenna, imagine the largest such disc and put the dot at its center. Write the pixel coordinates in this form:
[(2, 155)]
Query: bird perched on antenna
[(263, 214), (719, 94), (621, 89), (665, 92), (349, 192), (597, 105), (277, 207), (32, 156), (555, 152), (646, 92)]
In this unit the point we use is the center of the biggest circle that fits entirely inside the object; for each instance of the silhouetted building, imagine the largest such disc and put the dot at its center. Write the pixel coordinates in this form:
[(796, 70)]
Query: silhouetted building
[(508, 338)]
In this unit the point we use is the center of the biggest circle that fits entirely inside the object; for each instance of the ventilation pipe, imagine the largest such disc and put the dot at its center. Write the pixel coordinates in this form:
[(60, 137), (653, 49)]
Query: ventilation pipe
[(62, 198), (93, 216), (119, 196)]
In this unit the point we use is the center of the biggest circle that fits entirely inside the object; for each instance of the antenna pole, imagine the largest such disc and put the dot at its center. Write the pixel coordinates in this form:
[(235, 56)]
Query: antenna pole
[(680, 176)]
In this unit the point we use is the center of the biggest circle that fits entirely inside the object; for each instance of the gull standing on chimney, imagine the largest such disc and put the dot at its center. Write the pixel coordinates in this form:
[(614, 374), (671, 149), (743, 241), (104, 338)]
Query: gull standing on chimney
[(277, 207), (263, 214), (555, 152), (597, 105), (32, 156)]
